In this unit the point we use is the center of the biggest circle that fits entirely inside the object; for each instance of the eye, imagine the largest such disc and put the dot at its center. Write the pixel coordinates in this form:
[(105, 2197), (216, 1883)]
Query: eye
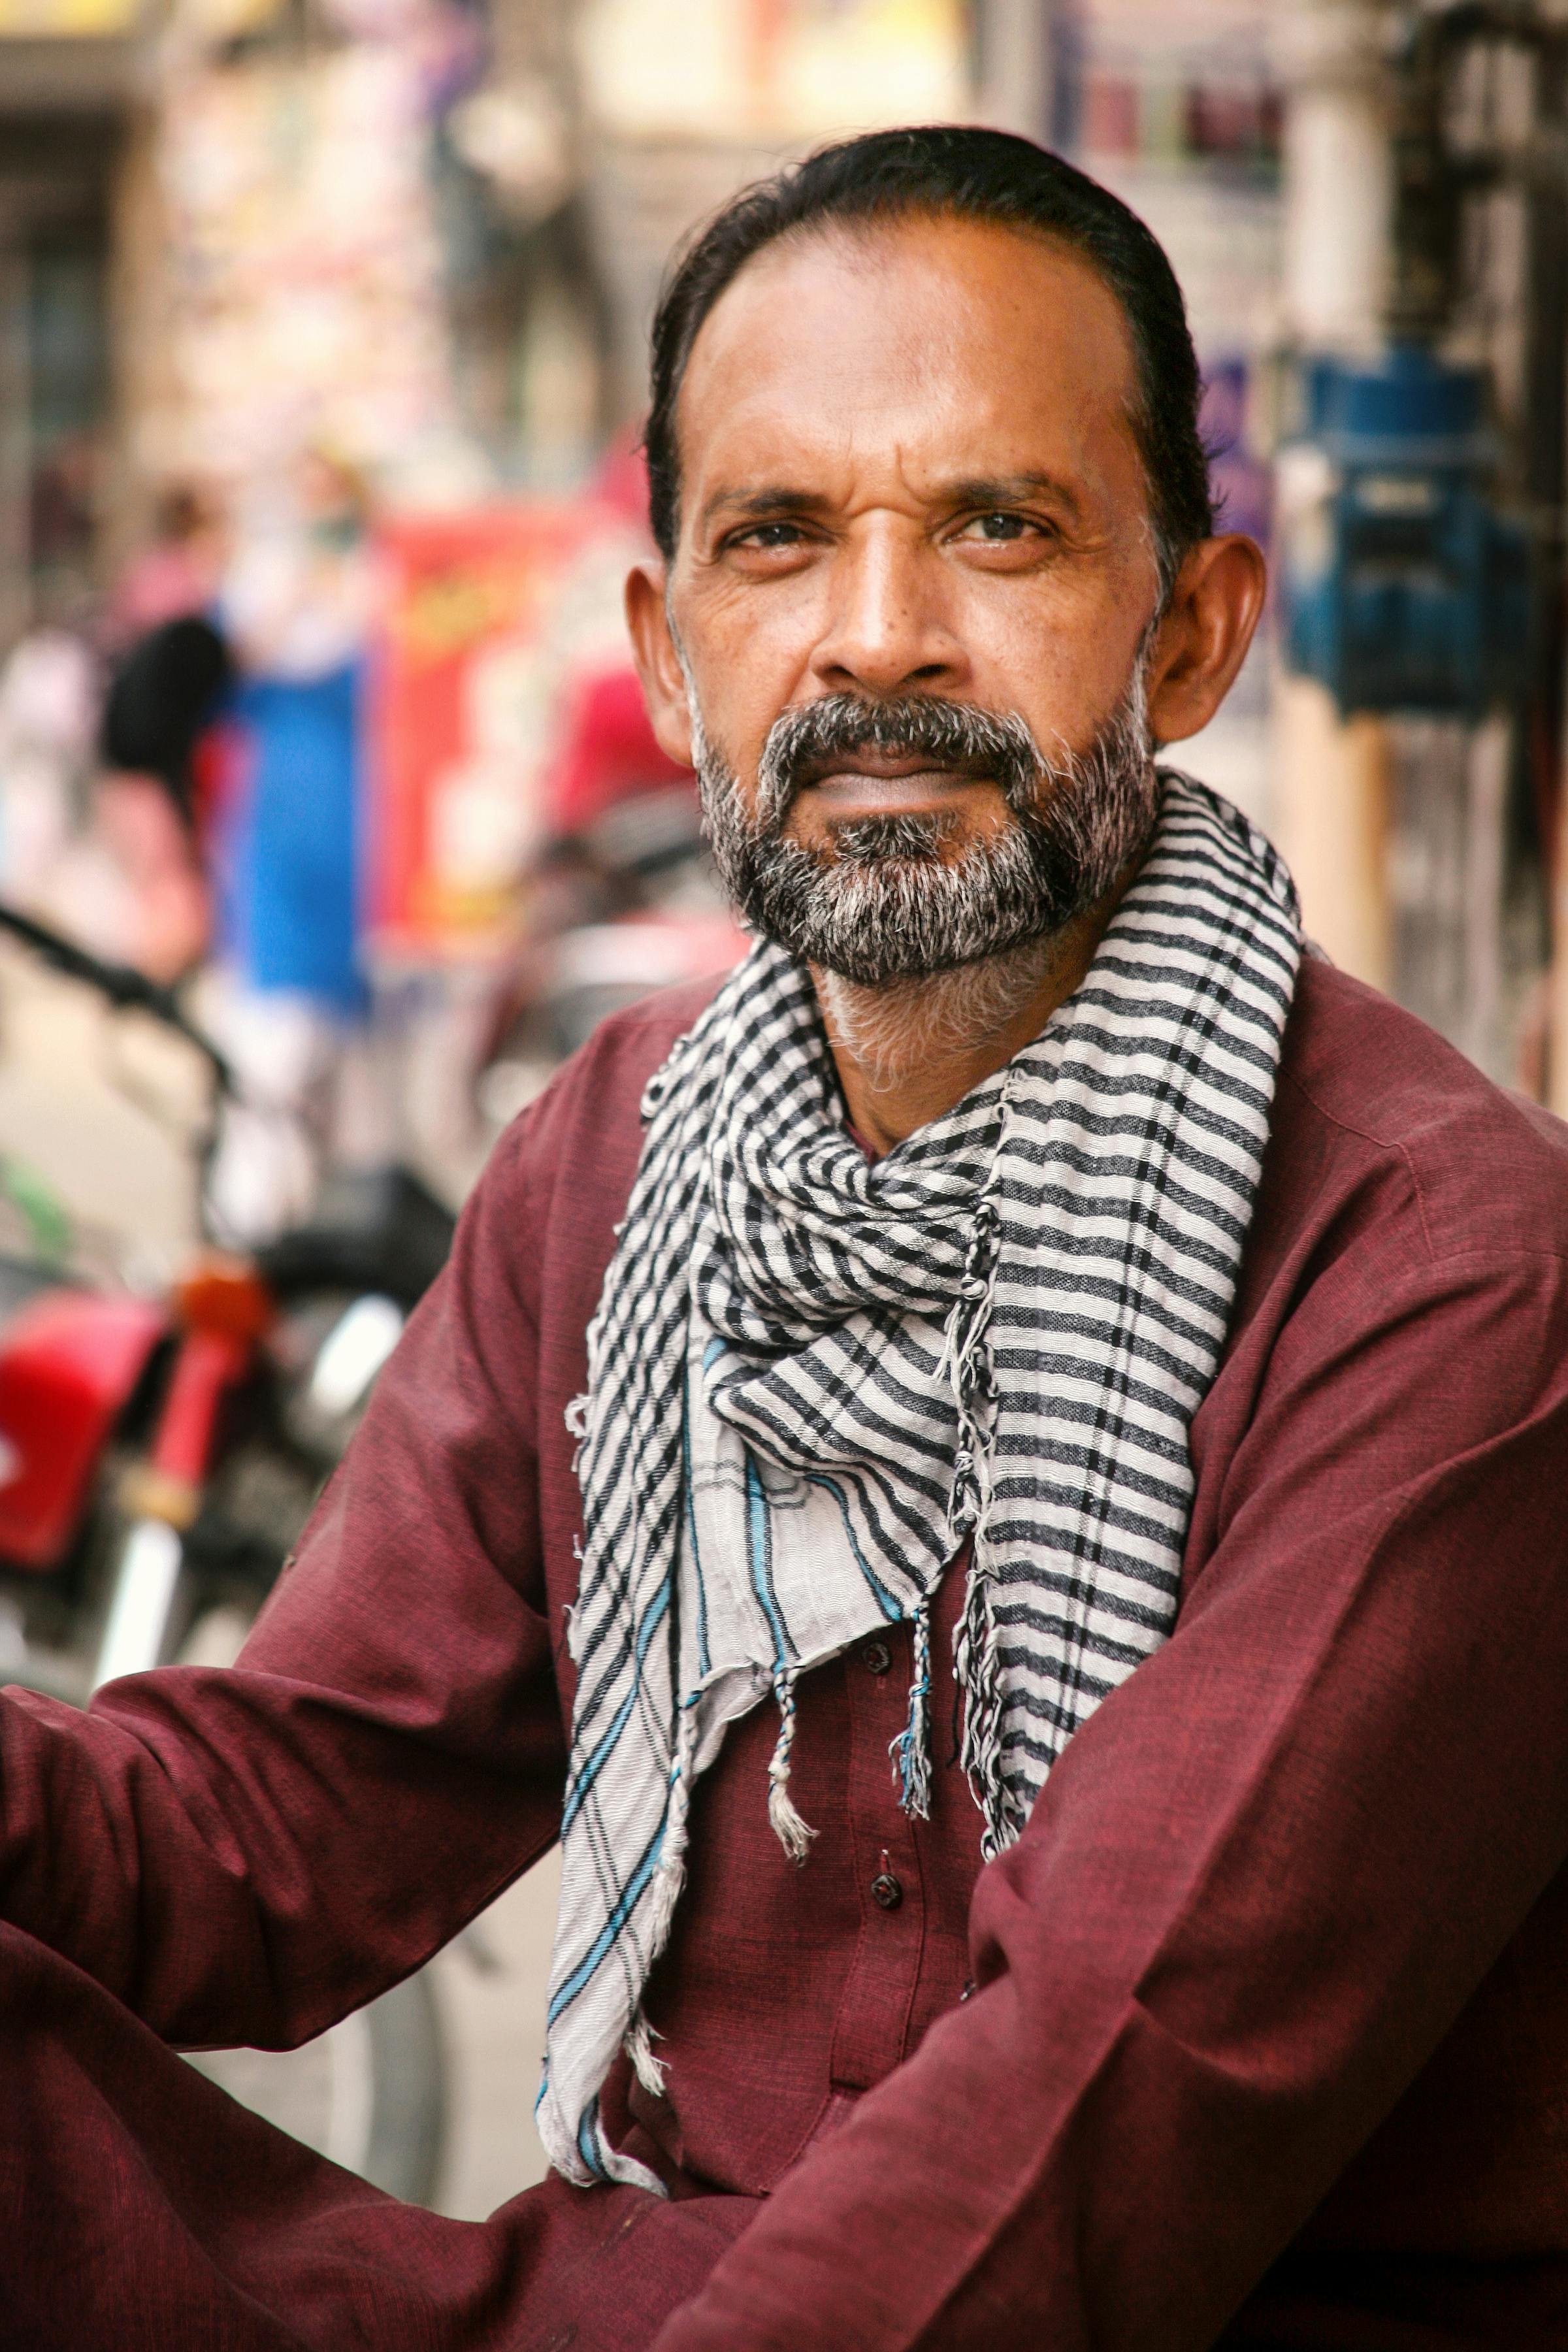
[(767, 535), (999, 529)]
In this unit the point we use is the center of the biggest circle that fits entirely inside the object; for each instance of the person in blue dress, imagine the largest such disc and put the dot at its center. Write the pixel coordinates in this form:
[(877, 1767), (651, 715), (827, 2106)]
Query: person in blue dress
[(296, 609)]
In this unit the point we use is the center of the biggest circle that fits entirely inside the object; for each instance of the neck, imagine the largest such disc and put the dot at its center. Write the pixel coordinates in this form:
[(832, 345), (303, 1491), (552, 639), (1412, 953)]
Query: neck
[(909, 1050)]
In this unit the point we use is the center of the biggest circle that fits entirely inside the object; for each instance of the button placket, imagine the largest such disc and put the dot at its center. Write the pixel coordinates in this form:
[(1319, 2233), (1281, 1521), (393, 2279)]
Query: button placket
[(879, 1994)]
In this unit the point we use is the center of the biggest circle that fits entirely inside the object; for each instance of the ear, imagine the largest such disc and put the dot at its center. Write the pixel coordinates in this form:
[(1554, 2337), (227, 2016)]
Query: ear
[(658, 663), (1215, 607)]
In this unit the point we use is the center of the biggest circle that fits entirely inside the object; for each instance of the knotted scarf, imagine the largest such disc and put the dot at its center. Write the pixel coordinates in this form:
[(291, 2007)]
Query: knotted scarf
[(812, 1379)]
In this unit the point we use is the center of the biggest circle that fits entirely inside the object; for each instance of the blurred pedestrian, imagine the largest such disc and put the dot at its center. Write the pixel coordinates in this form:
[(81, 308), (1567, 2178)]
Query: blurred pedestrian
[(178, 571), (296, 607), (170, 672), (48, 705), (161, 697)]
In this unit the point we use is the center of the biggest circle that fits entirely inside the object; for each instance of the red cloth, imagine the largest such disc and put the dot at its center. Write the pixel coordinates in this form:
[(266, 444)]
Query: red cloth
[(1270, 2040), (608, 753)]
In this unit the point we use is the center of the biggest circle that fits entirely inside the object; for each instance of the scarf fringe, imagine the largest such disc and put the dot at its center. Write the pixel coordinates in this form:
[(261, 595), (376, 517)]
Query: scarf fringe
[(975, 1646), (647, 2065), (669, 1876), (792, 1833), (668, 1879), (910, 1751), (966, 1358)]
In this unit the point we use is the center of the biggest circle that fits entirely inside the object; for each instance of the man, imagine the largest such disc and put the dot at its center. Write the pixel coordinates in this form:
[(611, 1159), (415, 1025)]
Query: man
[(1048, 1664)]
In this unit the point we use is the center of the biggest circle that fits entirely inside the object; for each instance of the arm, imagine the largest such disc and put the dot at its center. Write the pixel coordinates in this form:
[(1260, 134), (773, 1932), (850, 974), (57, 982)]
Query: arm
[(1258, 1889), (247, 1855), (244, 1856)]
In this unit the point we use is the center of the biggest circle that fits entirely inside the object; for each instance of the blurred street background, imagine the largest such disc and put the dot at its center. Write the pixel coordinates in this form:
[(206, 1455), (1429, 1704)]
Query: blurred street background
[(321, 342)]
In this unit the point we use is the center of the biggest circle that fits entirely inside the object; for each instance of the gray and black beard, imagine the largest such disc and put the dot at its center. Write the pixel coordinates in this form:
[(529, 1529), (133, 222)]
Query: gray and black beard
[(888, 899)]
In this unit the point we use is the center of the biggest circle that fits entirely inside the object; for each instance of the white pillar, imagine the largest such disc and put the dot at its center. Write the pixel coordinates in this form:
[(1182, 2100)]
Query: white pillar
[(1338, 182), (1331, 784), (1014, 89), (1557, 992)]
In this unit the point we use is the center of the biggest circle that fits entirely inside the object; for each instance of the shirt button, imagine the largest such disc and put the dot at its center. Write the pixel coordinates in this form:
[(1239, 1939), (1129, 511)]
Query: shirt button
[(887, 1890), (876, 1657)]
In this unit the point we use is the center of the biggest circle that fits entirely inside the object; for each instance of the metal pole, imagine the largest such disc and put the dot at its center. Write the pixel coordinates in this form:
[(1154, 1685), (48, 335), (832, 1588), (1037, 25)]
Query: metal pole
[(1547, 484), (16, 437)]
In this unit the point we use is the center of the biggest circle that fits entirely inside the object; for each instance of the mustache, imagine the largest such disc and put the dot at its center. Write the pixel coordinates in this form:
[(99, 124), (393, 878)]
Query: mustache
[(802, 743), (885, 902)]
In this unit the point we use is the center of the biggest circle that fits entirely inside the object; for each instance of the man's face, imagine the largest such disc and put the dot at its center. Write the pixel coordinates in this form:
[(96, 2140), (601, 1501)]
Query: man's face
[(908, 474)]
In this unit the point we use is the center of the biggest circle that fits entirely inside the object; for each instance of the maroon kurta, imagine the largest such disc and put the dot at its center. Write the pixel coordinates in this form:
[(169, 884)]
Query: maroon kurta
[(1267, 2038)]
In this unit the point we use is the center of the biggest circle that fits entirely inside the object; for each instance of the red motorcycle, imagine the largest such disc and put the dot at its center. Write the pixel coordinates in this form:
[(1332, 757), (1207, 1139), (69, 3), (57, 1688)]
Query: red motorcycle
[(158, 1458)]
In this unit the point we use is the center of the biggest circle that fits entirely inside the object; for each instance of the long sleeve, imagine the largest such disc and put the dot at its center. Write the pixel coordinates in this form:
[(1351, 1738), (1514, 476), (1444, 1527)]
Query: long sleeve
[(1258, 1889), (247, 1855)]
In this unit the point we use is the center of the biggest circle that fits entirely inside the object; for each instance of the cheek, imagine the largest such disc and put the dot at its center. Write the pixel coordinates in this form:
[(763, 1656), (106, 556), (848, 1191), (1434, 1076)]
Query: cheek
[(735, 721), (1061, 656), (751, 655)]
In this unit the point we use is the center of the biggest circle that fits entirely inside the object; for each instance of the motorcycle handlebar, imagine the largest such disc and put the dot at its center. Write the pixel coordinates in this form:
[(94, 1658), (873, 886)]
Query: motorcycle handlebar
[(125, 988)]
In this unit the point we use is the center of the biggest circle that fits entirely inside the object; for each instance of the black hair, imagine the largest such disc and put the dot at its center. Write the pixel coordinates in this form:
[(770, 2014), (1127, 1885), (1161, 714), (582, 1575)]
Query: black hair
[(972, 174)]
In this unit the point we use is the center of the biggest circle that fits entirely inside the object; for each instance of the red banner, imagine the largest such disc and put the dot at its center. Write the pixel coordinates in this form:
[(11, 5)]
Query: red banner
[(465, 680)]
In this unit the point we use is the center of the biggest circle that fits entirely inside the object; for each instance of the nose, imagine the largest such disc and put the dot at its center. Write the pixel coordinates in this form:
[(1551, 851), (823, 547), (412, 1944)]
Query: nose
[(887, 629)]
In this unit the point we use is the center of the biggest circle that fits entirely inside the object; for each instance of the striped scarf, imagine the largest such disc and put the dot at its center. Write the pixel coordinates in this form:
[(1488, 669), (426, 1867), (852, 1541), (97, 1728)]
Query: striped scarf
[(813, 1379)]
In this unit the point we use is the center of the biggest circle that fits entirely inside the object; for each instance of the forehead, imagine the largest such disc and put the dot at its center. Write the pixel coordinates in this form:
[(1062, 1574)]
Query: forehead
[(942, 346)]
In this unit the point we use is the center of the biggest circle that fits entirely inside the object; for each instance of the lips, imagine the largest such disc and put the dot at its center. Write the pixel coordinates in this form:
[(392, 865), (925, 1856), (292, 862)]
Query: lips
[(887, 767), (886, 783), (874, 789)]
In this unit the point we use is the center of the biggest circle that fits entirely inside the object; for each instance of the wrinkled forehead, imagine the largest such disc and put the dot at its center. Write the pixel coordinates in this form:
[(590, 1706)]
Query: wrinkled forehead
[(932, 347)]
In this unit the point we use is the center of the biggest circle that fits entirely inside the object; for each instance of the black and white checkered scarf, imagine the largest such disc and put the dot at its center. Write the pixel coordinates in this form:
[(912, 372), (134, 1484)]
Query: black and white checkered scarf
[(813, 1378)]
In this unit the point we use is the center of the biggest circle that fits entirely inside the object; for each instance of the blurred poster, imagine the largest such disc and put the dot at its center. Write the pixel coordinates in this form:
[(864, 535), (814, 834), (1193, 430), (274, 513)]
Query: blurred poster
[(482, 613), (304, 260), (54, 20), (773, 69), (1175, 105)]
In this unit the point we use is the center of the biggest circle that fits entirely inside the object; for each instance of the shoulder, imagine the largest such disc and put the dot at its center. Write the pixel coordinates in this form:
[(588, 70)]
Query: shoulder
[(1373, 1110), (1403, 1291), (605, 1080), (571, 1156)]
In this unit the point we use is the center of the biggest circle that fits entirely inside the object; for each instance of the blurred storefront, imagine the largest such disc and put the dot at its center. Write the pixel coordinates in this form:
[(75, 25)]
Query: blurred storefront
[(218, 246), (430, 240), (691, 98), (302, 252), (1420, 487), (70, 71), (424, 238), (1178, 107)]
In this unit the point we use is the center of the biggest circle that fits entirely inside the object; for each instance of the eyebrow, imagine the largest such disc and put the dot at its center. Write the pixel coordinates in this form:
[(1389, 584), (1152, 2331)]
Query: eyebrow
[(1009, 490), (970, 490), (777, 499)]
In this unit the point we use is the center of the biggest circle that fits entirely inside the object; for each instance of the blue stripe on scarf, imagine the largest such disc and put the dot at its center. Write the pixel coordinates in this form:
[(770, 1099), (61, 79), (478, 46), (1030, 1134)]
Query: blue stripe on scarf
[(704, 1662), (590, 1772), (612, 1927), (760, 1558), (885, 1600)]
